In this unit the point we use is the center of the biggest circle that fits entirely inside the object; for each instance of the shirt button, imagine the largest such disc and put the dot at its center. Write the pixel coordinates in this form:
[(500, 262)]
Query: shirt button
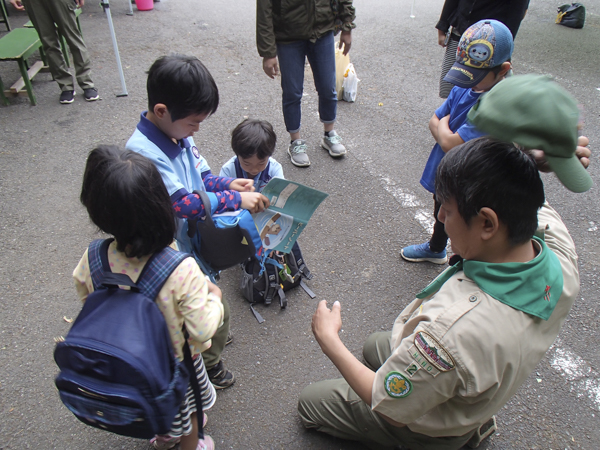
[(473, 298)]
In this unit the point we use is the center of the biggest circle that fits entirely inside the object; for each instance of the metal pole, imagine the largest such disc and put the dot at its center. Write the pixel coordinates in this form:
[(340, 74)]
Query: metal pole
[(106, 6)]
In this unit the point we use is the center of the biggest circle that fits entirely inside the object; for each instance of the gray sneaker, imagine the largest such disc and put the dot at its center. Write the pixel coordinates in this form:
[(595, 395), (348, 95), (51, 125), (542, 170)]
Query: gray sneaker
[(297, 152), (333, 144)]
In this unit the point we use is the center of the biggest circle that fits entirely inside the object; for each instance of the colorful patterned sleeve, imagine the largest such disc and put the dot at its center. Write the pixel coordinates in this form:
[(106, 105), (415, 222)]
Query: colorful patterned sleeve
[(213, 183), (188, 206)]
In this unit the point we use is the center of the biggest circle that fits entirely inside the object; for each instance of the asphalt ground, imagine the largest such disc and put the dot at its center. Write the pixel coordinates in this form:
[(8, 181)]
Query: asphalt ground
[(375, 207)]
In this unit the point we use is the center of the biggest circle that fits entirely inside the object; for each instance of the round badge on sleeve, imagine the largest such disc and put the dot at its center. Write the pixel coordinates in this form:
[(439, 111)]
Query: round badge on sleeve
[(195, 152), (397, 385)]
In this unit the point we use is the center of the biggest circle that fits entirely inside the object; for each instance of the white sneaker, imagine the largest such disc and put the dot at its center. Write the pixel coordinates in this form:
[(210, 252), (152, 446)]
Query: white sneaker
[(333, 144), (297, 152)]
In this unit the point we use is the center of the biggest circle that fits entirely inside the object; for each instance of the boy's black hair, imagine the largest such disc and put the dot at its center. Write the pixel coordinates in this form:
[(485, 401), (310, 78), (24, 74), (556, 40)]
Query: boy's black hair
[(125, 196), (486, 172), (253, 137), (183, 84)]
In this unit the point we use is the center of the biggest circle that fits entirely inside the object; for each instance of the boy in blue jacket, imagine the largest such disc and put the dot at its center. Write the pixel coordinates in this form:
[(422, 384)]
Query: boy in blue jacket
[(253, 142), (181, 94), (482, 61)]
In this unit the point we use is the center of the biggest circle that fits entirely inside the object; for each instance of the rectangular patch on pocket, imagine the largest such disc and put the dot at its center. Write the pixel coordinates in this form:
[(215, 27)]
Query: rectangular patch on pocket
[(422, 362)]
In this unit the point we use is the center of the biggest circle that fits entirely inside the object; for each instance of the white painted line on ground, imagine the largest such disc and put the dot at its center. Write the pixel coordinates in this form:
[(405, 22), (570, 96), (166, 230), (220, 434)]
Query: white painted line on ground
[(409, 200), (585, 382), (425, 218)]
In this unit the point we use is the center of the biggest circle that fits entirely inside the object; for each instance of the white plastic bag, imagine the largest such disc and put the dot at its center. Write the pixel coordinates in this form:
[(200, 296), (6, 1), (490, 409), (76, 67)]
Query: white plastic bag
[(350, 84)]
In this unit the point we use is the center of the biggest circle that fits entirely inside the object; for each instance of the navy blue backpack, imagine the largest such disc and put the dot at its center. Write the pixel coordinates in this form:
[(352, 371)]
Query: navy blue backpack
[(117, 367)]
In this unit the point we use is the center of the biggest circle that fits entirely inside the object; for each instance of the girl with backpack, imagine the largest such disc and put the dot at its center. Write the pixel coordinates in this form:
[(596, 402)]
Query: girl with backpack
[(126, 198)]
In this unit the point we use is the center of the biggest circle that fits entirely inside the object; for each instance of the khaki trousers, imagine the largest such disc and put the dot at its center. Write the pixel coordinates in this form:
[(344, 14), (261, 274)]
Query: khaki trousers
[(212, 356), (44, 14), (332, 407)]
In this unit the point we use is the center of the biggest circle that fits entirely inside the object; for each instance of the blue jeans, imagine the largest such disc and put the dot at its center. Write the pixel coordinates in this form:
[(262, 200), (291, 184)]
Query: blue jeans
[(321, 56)]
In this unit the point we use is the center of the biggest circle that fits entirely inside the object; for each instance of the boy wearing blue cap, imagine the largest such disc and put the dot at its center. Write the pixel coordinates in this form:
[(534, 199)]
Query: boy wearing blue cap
[(482, 61)]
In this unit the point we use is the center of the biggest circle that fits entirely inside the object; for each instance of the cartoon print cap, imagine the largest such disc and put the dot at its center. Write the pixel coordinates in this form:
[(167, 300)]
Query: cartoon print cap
[(485, 45), (536, 113)]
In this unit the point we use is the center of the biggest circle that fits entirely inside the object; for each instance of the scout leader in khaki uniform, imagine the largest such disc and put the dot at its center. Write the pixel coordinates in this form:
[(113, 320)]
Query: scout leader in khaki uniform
[(459, 351)]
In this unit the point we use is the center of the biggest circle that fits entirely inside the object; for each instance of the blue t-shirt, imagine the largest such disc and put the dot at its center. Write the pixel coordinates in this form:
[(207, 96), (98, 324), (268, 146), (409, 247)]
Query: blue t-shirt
[(458, 104), (273, 170), (180, 165)]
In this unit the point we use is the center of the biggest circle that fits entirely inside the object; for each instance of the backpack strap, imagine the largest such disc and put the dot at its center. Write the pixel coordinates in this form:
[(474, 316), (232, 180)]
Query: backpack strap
[(264, 175), (189, 364), (100, 272), (154, 275), (158, 269), (96, 249), (271, 269), (302, 268), (238, 168)]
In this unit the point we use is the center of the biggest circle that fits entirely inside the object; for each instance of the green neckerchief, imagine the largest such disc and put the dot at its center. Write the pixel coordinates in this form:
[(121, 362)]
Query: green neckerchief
[(533, 287)]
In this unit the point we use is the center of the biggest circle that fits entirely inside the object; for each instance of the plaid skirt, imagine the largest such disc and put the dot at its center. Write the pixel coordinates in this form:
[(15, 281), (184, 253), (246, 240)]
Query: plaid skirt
[(182, 424)]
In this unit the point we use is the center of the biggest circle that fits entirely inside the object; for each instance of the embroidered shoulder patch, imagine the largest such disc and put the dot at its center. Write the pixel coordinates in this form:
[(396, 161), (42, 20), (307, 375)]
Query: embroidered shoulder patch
[(433, 351), (196, 152), (397, 385)]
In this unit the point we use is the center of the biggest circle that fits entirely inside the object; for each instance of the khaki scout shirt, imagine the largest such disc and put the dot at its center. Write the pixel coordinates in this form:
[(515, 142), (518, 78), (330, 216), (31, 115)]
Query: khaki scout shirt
[(459, 355)]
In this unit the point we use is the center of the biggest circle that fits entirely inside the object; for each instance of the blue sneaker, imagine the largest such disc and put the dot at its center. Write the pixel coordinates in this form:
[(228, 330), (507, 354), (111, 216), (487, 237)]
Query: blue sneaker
[(421, 252)]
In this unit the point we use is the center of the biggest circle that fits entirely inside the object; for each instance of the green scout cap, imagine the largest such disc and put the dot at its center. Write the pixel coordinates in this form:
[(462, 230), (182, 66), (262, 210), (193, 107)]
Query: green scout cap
[(536, 113)]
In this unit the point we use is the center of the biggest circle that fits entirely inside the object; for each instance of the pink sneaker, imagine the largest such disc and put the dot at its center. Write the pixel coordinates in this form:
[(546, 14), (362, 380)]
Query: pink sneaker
[(167, 442), (206, 444), (164, 442)]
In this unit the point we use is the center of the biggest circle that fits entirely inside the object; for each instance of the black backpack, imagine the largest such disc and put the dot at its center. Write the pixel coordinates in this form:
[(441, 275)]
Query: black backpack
[(117, 367), (571, 15), (263, 283)]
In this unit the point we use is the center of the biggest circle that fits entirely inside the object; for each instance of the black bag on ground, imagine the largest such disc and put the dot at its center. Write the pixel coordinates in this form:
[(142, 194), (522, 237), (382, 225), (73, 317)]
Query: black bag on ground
[(571, 15), (281, 273)]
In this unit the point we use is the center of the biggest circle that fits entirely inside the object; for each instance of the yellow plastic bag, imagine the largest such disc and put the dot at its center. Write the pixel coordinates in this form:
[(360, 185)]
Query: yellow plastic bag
[(341, 64)]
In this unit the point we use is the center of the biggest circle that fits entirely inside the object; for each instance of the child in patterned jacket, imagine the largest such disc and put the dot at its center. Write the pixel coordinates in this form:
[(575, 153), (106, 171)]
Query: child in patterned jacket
[(125, 197)]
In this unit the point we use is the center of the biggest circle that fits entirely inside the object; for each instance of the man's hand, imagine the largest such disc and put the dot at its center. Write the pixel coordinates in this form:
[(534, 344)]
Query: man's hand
[(441, 38), (79, 3), (242, 185), (254, 201), (17, 4), (582, 152), (271, 67), (326, 324), (345, 41)]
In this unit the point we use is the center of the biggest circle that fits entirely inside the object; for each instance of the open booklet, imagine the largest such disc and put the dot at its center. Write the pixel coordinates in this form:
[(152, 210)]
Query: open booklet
[(292, 206)]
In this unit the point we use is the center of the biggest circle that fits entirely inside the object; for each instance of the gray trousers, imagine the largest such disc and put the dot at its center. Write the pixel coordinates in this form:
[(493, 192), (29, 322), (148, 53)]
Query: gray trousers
[(449, 60), (332, 407), (44, 14)]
